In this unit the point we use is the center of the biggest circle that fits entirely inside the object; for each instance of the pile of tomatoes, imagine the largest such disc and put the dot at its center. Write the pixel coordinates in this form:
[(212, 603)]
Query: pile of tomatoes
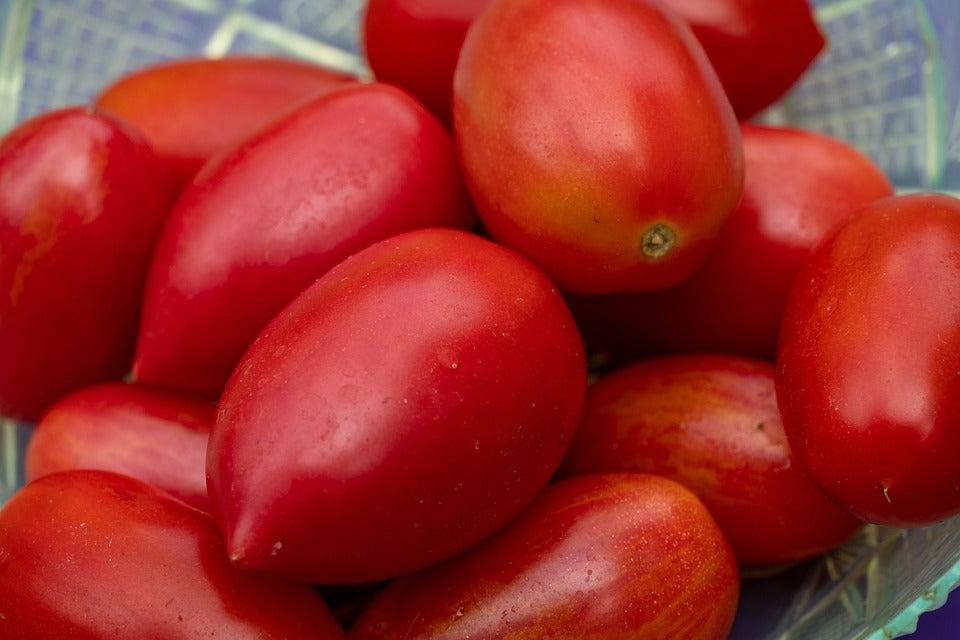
[(535, 333)]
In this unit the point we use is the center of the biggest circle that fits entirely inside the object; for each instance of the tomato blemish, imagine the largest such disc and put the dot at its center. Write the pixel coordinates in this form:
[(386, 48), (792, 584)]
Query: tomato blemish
[(657, 241)]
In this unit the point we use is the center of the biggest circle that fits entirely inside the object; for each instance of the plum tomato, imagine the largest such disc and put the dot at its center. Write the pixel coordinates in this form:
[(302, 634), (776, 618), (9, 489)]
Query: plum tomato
[(798, 185), (868, 367), (88, 555), (759, 48), (82, 201), (153, 434), (596, 140), (602, 556), (711, 423), (193, 108), (263, 221), (403, 407), (415, 44)]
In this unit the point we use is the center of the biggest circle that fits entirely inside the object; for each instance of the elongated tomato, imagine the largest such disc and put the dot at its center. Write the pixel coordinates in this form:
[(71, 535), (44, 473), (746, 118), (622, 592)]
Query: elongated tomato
[(596, 140), (403, 407), (264, 221)]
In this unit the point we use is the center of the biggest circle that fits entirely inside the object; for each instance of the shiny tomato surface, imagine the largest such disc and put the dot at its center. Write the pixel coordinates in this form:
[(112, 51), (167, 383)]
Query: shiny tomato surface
[(711, 423), (596, 140), (868, 369), (605, 556), (153, 434), (82, 201), (759, 48), (415, 44), (262, 222), (192, 109), (403, 407), (798, 185), (94, 555)]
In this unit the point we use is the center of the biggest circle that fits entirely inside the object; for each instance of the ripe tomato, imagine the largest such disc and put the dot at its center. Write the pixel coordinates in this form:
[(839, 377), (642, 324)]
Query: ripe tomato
[(156, 435), (711, 423), (868, 368), (598, 556), (415, 44), (596, 140), (81, 205), (759, 48), (404, 406), (262, 222), (192, 109), (798, 185), (88, 555)]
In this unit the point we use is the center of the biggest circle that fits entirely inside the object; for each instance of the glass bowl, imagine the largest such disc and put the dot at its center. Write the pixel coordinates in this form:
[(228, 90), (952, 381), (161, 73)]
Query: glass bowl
[(889, 83)]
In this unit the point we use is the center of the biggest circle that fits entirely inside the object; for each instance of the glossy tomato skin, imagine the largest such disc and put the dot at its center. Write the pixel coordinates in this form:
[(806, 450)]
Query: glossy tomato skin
[(758, 48), (194, 108), (153, 434), (81, 206), (94, 555), (711, 422), (415, 44), (403, 407), (596, 140), (597, 556), (798, 185), (264, 221), (867, 368)]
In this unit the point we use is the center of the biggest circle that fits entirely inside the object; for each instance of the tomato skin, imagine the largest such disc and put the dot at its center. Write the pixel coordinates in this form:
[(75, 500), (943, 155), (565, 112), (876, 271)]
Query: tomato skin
[(415, 44), (262, 222), (77, 184), (758, 48), (191, 109), (798, 185), (711, 423), (404, 406), (94, 555), (156, 435), (596, 140), (868, 360), (597, 556)]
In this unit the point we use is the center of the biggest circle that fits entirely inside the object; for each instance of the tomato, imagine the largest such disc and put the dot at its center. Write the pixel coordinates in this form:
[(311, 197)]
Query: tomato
[(191, 109), (262, 222), (598, 556), (868, 367), (156, 435), (711, 422), (759, 48), (404, 406), (81, 204), (798, 185), (415, 44), (89, 555), (596, 140)]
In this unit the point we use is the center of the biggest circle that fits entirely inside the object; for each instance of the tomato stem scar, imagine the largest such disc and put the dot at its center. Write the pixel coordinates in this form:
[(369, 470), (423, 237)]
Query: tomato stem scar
[(658, 240)]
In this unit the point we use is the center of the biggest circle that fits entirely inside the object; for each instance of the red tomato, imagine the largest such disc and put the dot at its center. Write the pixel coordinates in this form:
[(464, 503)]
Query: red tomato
[(415, 44), (191, 109), (81, 204), (602, 556), (759, 48), (89, 555), (711, 423), (262, 222), (798, 185), (596, 140), (155, 435), (404, 406), (868, 369)]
